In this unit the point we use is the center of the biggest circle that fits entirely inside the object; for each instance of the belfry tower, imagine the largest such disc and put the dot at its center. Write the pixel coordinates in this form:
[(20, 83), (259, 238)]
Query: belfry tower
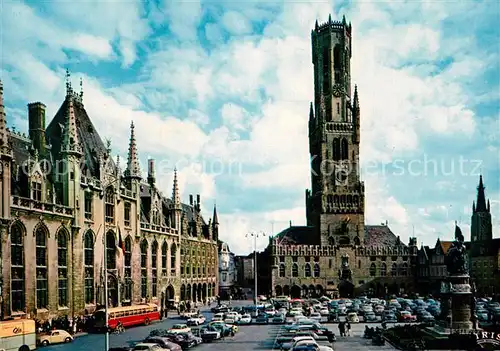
[(481, 228), (335, 203)]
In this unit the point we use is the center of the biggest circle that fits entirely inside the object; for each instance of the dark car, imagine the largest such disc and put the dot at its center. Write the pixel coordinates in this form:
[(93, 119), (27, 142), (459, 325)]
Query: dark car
[(262, 319), (208, 334), (220, 309), (278, 318), (190, 339), (164, 342)]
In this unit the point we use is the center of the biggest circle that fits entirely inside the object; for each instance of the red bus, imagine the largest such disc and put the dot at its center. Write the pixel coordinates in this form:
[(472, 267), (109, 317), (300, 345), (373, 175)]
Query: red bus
[(129, 316)]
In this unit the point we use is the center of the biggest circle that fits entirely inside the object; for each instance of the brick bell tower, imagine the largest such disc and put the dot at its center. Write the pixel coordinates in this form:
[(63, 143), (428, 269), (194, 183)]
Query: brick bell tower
[(335, 203)]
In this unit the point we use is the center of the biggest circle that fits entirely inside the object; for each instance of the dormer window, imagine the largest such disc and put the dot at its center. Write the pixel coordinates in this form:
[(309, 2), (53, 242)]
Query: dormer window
[(110, 205), (36, 191)]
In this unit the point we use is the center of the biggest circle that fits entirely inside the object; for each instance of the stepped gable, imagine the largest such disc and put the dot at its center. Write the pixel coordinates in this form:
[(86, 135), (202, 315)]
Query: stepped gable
[(296, 235), (90, 141), (380, 235)]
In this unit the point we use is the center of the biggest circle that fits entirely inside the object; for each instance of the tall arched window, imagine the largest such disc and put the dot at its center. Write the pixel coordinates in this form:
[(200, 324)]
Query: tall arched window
[(109, 200), (110, 250), (282, 270), (344, 149), (154, 268), (307, 270), (404, 269), (383, 269), (17, 298), (394, 269), (62, 262), (88, 257), (316, 270), (164, 252), (42, 294), (173, 258), (144, 269), (295, 270), (128, 269), (373, 270), (336, 149)]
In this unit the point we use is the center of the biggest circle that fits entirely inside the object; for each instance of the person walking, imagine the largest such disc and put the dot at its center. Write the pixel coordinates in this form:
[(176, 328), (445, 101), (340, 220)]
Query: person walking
[(348, 328), (341, 329)]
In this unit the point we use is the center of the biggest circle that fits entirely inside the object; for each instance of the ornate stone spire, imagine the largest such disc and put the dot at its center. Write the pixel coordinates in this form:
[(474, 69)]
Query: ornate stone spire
[(4, 139), (175, 191), (311, 111), (133, 168), (481, 198), (70, 142)]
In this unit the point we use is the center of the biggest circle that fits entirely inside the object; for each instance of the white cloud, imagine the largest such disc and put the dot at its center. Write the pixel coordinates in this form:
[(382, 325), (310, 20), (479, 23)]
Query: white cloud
[(236, 23), (92, 45)]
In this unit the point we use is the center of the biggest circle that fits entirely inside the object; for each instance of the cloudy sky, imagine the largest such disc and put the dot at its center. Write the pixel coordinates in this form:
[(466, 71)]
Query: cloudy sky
[(222, 89)]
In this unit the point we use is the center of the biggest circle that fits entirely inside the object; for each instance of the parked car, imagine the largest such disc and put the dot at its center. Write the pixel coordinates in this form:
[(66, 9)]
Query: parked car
[(179, 328), (245, 319), (406, 316), (196, 320), (148, 347), (164, 342), (190, 339), (262, 319), (56, 336), (278, 318), (353, 317), (316, 316), (209, 334), (371, 317)]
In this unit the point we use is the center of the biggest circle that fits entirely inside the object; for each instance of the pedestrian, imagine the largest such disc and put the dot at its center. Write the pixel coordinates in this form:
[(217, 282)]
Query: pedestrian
[(341, 329), (331, 338), (348, 328)]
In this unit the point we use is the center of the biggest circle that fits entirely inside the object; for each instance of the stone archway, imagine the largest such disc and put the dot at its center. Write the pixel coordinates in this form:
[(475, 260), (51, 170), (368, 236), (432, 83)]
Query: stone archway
[(286, 290), (188, 292), (295, 292), (346, 289), (278, 290), (112, 291), (200, 292), (311, 291), (195, 293), (320, 291)]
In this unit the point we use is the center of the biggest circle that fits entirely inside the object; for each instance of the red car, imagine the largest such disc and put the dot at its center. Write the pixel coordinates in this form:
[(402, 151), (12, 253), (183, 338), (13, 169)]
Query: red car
[(405, 316)]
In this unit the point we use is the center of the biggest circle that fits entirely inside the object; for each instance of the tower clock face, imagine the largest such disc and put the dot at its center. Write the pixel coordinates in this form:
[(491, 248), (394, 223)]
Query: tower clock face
[(337, 90)]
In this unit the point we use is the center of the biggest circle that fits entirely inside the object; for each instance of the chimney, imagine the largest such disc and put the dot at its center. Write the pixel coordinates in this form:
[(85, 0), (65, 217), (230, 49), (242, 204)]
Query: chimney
[(191, 199), (36, 118), (198, 202), (151, 171)]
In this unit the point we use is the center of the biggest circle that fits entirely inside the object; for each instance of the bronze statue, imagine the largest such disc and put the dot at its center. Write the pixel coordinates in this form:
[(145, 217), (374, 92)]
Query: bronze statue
[(456, 258)]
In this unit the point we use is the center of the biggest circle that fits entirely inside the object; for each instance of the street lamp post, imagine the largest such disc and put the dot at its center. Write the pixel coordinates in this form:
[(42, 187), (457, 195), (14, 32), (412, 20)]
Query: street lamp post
[(255, 236)]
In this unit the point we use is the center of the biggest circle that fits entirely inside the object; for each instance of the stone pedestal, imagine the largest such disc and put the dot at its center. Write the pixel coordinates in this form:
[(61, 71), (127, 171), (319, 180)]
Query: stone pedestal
[(460, 293)]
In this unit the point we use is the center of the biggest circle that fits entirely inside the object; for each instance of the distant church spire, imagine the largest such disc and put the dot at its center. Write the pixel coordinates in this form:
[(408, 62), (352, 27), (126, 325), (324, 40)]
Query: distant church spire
[(215, 219), (175, 191), (4, 139), (133, 168), (481, 198)]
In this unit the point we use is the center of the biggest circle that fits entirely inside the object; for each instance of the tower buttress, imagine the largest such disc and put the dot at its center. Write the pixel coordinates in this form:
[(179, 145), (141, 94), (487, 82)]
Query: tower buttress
[(6, 161), (481, 224), (176, 199), (71, 152)]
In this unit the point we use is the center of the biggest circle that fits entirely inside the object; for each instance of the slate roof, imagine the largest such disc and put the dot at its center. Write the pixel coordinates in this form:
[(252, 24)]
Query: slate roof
[(381, 235), (90, 141), (297, 235)]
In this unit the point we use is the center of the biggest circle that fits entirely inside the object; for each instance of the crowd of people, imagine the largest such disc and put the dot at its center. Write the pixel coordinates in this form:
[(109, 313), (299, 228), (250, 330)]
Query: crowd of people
[(77, 325)]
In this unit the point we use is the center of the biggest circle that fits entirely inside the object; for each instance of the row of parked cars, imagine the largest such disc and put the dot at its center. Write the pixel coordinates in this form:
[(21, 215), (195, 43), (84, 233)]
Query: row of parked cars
[(305, 334)]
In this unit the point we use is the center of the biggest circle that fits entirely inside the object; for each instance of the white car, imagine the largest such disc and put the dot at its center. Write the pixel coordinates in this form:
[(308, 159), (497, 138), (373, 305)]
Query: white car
[(245, 319), (218, 317), (294, 342), (232, 315), (324, 312), (146, 346), (196, 320), (316, 316), (179, 328), (314, 343)]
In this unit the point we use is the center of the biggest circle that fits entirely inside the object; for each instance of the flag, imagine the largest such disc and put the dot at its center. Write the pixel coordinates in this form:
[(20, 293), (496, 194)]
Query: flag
[(121, 244)]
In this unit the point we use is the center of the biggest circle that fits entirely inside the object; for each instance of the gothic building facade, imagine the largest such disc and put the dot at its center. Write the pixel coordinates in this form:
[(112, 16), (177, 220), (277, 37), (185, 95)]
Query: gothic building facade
[(68, 213), (336, 252)]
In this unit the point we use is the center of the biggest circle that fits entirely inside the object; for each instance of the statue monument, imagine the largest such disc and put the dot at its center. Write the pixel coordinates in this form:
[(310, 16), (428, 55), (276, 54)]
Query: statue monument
[(456, 291)]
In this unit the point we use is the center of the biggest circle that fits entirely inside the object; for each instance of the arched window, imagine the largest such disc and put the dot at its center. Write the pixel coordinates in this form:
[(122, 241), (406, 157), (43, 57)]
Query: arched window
[(128, 269), (359, 264), (295, 270), (17, 298), (173, 258), (110, 250), (88, 260), (331, 241), (154, 268), (42, 294), (282, 270), (109, 200), (307, 270), (164, 252), (316, 270), (357, 242), (337, 58), (373, 270), (345, 149), (144, 269), (394, 270), (383, 269), (404, 269), (62, 262), (336, 149)]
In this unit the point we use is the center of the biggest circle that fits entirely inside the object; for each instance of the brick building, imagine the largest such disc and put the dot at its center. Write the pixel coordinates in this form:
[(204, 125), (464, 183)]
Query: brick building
[(65, 201), (336, 253)]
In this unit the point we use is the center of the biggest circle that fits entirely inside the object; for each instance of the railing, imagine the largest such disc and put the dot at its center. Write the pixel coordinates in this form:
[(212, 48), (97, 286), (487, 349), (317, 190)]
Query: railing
[(127, 193), (33, 205), (158, 228), (339, 127)]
